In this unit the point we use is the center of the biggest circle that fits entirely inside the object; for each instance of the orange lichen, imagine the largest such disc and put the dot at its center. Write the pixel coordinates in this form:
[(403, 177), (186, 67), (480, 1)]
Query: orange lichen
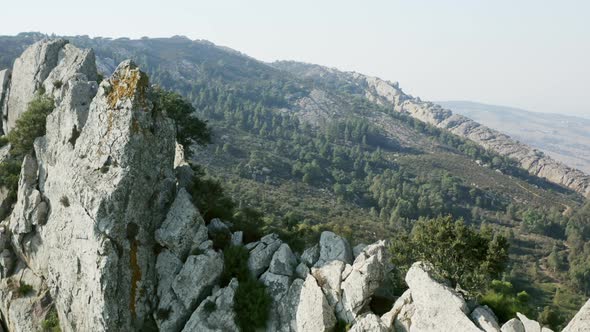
[(126, 84)]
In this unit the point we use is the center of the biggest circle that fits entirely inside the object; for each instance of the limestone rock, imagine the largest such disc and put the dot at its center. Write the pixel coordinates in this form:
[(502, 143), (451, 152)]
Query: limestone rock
[(180, 226), (485, 319), (333, 247), (4, 84), (437, 307), (301, 271), (237, 238), (197, 276), (311, 255), (287, 307), (368, 272), (216, 312), (329, 279), (388, 319), (529, 324), (283, 261), (277, 285), (581, 321), (104, 170), (314, 314), (368, 323), (356, 250), (261, 255), (167, 266), (513, 325)]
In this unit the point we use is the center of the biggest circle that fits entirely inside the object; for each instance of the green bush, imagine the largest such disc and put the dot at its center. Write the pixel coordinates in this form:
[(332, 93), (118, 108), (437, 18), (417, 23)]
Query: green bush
[(504, 301), (251, 304), (235, 264), (51, 322), (30, 125), (457, 252), (24, 289)]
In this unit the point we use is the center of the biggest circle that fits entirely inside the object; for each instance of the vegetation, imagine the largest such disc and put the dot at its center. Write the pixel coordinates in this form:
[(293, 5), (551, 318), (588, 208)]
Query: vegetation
[(24, 289), (51, 321), (504, 301), (252, 305), (458, 253)]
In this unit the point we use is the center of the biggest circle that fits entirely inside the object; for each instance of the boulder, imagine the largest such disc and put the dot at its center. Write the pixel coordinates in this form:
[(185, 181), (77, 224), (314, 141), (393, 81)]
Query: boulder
[(485, 319), (513, 325), (301, 271), (276, 285), (333, 247), (314, 313), (261, 255), (180, 226), (529, 324), (388, 319), (311, 255), (368, 323), (237, 238), (197, 277), (581, 321), (287, 307), (167, 266), (329, 279), (283, 261), (367, 274), (216, 312), (356, 250), (437, 307)]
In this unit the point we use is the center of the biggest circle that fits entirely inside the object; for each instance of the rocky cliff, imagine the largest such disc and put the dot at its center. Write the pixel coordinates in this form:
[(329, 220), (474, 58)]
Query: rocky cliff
[(389, 94), (105, 237)]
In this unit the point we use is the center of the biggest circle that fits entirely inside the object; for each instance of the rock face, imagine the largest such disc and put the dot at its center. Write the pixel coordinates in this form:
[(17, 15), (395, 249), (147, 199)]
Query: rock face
[(581, 321), (535, 162), (46, 65), (4, 84), (314, 314)]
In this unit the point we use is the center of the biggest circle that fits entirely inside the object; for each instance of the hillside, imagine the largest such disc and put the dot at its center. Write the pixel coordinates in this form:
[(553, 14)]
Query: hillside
[(565, 138), (313, 151)]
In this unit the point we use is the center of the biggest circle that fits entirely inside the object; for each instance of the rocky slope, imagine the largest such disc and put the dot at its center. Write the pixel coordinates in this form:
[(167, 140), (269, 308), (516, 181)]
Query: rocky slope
[(105, 235), (390, 94)]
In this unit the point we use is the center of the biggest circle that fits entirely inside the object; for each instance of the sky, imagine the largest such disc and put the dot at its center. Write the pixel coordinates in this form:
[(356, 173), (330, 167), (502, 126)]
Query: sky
[(530, 54)]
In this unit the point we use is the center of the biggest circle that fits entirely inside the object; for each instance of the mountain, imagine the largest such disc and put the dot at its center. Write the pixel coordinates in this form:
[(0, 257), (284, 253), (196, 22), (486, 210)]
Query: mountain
[(304, 151), (565, 138)]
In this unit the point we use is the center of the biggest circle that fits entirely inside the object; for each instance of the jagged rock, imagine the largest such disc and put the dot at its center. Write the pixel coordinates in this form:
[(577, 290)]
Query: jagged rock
[(7, 261), (216, 226), (388, 319), (261, 255), (167, 266), (346, 271), (368, 272), (251, 245), (513, 325), (333, 247), (529, 324), (368, 323), (287, 308), (104, 170), (237, 238), (313, 311), (181, 225), (283, 261), (403, 320), (216, 312), (356, 250), (581, 321), (4, 83), (48, 64), (485, 319), (277, 285), (311, 255), (329, 279), (301, 271), (197, 276), (437, 307)]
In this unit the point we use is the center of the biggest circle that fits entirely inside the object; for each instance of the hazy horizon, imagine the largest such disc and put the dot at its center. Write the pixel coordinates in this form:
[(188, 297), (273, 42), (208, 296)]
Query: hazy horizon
[(531, 55)]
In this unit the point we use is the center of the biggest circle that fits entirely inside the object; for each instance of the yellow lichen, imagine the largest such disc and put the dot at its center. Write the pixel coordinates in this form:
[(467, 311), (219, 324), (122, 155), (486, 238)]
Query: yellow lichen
[(126, 84)]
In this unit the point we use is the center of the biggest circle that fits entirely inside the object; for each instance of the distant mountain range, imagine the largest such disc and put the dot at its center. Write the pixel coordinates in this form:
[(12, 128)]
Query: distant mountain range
[(563, 137)]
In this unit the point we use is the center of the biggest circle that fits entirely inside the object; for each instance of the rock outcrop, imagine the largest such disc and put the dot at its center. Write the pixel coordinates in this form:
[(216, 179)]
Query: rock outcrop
[(581, 321)]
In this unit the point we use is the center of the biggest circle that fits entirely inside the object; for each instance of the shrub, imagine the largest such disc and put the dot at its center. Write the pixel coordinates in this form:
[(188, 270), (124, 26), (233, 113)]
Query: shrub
[(51, 322), (251, 304), (57, 84), (24, 289), (458, 253), (235, 264), (30, 125), (504, 301), (209, 307)]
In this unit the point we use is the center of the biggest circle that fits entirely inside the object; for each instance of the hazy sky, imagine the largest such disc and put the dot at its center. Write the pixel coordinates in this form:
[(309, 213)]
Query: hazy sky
[(531, 54)]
